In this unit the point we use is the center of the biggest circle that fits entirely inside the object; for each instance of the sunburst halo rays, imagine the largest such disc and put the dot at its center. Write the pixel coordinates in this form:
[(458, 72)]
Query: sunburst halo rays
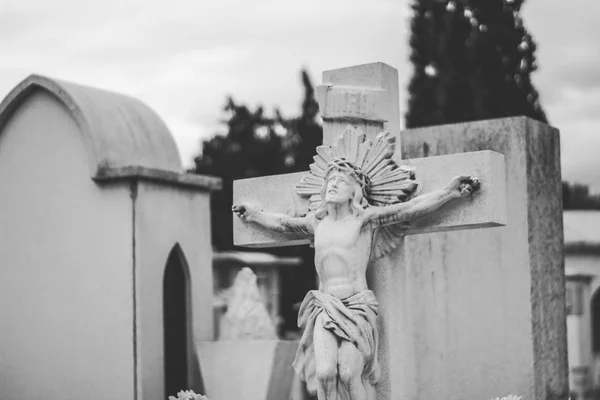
[(390, 183)]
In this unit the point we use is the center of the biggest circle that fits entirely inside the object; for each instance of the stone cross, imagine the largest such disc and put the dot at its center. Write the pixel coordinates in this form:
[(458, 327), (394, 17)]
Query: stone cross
[(366, 96)]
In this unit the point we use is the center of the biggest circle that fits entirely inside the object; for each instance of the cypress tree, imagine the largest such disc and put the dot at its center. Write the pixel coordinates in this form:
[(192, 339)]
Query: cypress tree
[(472, 60)]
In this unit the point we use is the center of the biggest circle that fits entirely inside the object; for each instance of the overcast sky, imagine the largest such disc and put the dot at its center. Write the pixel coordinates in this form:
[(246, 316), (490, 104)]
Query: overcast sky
[(184, 59)]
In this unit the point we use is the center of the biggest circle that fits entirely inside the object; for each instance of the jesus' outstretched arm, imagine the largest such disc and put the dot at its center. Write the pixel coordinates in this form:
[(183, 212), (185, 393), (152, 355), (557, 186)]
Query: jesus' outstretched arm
[(460, 186), (303, 226)]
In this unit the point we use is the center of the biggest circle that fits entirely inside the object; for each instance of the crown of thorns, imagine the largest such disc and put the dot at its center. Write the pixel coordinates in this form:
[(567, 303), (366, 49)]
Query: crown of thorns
[(351, 169)]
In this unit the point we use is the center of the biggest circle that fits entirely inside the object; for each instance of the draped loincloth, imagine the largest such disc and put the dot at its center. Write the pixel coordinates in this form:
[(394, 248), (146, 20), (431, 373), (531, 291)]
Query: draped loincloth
[(353, 319)]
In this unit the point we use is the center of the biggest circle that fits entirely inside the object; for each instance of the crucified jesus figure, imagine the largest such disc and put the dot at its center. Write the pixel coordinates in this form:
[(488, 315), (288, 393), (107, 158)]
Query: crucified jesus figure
[(337, 355)]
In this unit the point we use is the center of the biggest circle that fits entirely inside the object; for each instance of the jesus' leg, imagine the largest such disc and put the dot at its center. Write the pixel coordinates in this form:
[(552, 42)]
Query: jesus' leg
[(351, 365), (326, 349)]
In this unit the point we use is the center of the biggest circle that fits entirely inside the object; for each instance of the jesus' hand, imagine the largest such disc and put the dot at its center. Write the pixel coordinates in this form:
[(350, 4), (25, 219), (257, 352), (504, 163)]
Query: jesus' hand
[(246, 212), (463, 186)]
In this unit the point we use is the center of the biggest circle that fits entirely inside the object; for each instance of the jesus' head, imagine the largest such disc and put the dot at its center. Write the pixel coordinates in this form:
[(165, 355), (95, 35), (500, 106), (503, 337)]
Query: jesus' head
[(344, 183)]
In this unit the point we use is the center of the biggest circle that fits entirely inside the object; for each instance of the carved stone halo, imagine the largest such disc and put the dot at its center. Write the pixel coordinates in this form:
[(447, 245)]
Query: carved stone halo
[(389, 182)]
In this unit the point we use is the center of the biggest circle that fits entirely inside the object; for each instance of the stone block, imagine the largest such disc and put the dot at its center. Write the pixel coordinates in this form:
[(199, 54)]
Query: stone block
[(374, 76), (483, 311)]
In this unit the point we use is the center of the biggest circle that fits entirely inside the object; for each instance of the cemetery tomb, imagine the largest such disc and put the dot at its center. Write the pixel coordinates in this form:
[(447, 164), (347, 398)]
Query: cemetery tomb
[(105, 252)]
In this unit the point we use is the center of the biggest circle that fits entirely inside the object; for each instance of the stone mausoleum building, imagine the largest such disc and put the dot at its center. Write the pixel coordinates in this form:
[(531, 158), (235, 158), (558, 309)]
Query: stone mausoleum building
[(103, 239), (582, 269)]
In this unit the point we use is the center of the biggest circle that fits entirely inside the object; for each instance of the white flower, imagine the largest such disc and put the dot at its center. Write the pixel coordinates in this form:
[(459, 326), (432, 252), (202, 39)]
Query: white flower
[(188, 395)]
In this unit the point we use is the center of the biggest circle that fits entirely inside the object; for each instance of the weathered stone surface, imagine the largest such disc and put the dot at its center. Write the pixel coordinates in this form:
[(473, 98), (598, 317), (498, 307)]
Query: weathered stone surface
[(374, 76), (351, 103), (484, 310)]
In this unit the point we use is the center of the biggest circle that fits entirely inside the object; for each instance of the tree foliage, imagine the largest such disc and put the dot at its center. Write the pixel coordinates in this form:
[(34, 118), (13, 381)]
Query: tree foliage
[(258, 145), (471, 60), (577, 196)]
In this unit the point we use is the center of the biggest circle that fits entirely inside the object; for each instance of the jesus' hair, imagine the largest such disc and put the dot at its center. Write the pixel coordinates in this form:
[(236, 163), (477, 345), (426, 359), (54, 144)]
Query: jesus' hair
[(361, 180)]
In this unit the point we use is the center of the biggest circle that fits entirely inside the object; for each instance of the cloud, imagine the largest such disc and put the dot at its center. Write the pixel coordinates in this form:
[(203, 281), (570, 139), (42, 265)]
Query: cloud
[(184, 60), (583, 74), (580, 151), (569, 80)]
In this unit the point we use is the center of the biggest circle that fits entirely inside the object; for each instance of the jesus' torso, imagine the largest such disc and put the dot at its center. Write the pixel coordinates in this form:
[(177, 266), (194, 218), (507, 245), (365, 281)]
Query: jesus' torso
[(342, 250)]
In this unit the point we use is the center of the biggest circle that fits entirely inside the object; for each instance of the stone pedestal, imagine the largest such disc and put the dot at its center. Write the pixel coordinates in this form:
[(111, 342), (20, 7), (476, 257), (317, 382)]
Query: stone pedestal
[(485, 310)]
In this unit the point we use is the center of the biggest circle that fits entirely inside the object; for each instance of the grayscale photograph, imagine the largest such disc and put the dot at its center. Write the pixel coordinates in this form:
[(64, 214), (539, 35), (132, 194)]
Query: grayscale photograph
[(300, 200)]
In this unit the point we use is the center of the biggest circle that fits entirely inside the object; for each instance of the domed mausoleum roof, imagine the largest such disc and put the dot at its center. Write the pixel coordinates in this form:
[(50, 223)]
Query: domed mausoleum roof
[(118, 130)]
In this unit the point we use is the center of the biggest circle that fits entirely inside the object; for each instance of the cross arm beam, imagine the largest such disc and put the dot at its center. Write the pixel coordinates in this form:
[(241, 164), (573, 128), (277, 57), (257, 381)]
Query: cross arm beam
[(275, 193), (486, 209)]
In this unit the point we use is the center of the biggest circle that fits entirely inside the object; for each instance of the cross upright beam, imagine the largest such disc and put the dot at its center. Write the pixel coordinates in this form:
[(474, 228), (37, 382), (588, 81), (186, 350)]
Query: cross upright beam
[(365, 95)]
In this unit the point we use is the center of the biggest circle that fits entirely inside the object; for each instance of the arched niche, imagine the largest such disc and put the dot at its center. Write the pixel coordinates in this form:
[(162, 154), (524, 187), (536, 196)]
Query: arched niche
[(595, 321), (176, 323)]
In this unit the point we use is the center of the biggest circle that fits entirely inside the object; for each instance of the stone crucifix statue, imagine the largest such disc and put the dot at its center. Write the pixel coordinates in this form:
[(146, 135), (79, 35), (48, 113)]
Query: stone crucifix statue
[(361, 203)]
